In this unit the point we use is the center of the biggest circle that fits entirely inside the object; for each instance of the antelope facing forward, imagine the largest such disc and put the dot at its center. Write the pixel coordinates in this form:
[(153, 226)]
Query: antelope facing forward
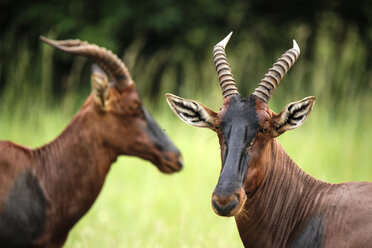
[(274, 202), (45, 191)]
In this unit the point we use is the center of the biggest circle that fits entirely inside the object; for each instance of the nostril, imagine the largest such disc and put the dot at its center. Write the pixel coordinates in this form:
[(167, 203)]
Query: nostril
[(237, 195), (225, 207), (180, 162)]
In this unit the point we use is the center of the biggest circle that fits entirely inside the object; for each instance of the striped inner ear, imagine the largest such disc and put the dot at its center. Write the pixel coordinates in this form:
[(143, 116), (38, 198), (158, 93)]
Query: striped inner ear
[(191, 112), (294, 114)]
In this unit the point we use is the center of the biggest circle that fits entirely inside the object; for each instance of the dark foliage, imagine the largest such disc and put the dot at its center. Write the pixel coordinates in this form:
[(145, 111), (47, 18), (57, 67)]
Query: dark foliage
[(191, 26)]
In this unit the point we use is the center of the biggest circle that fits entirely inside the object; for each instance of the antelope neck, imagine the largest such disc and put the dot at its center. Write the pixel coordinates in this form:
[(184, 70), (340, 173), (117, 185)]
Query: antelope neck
[(72, 169), (286, 200)]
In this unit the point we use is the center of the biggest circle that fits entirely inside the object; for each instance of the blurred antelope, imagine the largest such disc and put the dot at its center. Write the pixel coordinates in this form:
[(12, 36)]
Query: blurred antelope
[(45, 191), (274, 202)]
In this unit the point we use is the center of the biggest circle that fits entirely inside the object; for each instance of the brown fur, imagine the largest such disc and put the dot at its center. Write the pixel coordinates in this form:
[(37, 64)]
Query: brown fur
[(274, 202), (72, 169), (282, 199)]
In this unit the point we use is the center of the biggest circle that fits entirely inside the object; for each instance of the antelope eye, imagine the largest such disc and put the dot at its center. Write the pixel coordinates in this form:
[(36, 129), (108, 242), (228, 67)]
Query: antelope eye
[(136, 109), (139, 111), (264, 129), (218, 127)]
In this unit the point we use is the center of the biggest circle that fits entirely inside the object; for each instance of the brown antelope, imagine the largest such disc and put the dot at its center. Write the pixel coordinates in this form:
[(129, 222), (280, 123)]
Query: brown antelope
[(45, 191), (274, 202)]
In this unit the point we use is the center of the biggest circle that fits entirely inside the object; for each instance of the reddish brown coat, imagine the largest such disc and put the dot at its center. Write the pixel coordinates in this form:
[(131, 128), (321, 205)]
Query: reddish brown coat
[(45, 191), (275, 203)]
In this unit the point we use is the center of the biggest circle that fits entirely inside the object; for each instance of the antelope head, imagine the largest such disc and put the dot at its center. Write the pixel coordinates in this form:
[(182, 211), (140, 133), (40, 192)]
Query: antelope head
[(115, 110), (244, 127)]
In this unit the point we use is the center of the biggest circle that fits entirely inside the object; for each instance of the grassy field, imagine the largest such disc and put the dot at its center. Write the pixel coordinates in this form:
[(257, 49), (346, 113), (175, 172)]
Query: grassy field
[(141, 207)]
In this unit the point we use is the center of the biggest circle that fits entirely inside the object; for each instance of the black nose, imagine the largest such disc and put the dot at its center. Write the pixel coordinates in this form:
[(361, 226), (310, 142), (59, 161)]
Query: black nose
[(223, 206)]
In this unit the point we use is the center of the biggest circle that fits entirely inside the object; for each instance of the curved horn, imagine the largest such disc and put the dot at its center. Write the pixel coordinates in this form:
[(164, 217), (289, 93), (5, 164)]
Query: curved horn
[(223, 69), (271, 80), (109, 62)]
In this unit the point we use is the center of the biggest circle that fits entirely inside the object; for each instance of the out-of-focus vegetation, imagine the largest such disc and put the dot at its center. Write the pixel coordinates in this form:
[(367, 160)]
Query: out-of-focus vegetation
[(141, 207), (167, 46)]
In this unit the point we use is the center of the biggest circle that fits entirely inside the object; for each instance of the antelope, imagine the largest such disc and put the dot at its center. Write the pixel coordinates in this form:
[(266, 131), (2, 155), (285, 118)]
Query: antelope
[(274, 202), (45, 191)]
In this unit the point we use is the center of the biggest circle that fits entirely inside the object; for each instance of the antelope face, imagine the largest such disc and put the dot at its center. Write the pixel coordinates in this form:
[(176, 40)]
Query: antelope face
[(237, 132), (121, 121), (130, 128), (244, 127)]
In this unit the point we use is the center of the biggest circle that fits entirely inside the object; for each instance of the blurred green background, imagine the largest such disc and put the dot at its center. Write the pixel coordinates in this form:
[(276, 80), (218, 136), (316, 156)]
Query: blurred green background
[(167, 47)]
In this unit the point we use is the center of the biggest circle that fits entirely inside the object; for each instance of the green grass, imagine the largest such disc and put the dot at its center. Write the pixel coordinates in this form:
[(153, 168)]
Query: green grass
[(141, 207)]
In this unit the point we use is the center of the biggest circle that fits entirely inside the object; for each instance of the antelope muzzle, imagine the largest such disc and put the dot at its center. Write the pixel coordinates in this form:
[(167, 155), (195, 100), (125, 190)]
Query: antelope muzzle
[(165, 156), (228, 199)]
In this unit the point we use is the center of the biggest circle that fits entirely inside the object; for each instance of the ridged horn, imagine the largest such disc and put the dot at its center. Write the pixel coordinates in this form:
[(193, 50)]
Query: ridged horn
[(271, 80), (107, 60), (223, 69)]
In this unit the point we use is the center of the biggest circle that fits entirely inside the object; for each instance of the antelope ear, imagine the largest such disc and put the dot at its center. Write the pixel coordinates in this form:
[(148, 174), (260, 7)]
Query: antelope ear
[(100, 85), (191, 112), (292, 116)]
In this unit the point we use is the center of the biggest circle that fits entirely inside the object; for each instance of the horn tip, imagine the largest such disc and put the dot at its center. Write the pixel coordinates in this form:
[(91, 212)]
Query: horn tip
[(295, 46), (47, 41), (44, 39), (169, 95), (224, 42)]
